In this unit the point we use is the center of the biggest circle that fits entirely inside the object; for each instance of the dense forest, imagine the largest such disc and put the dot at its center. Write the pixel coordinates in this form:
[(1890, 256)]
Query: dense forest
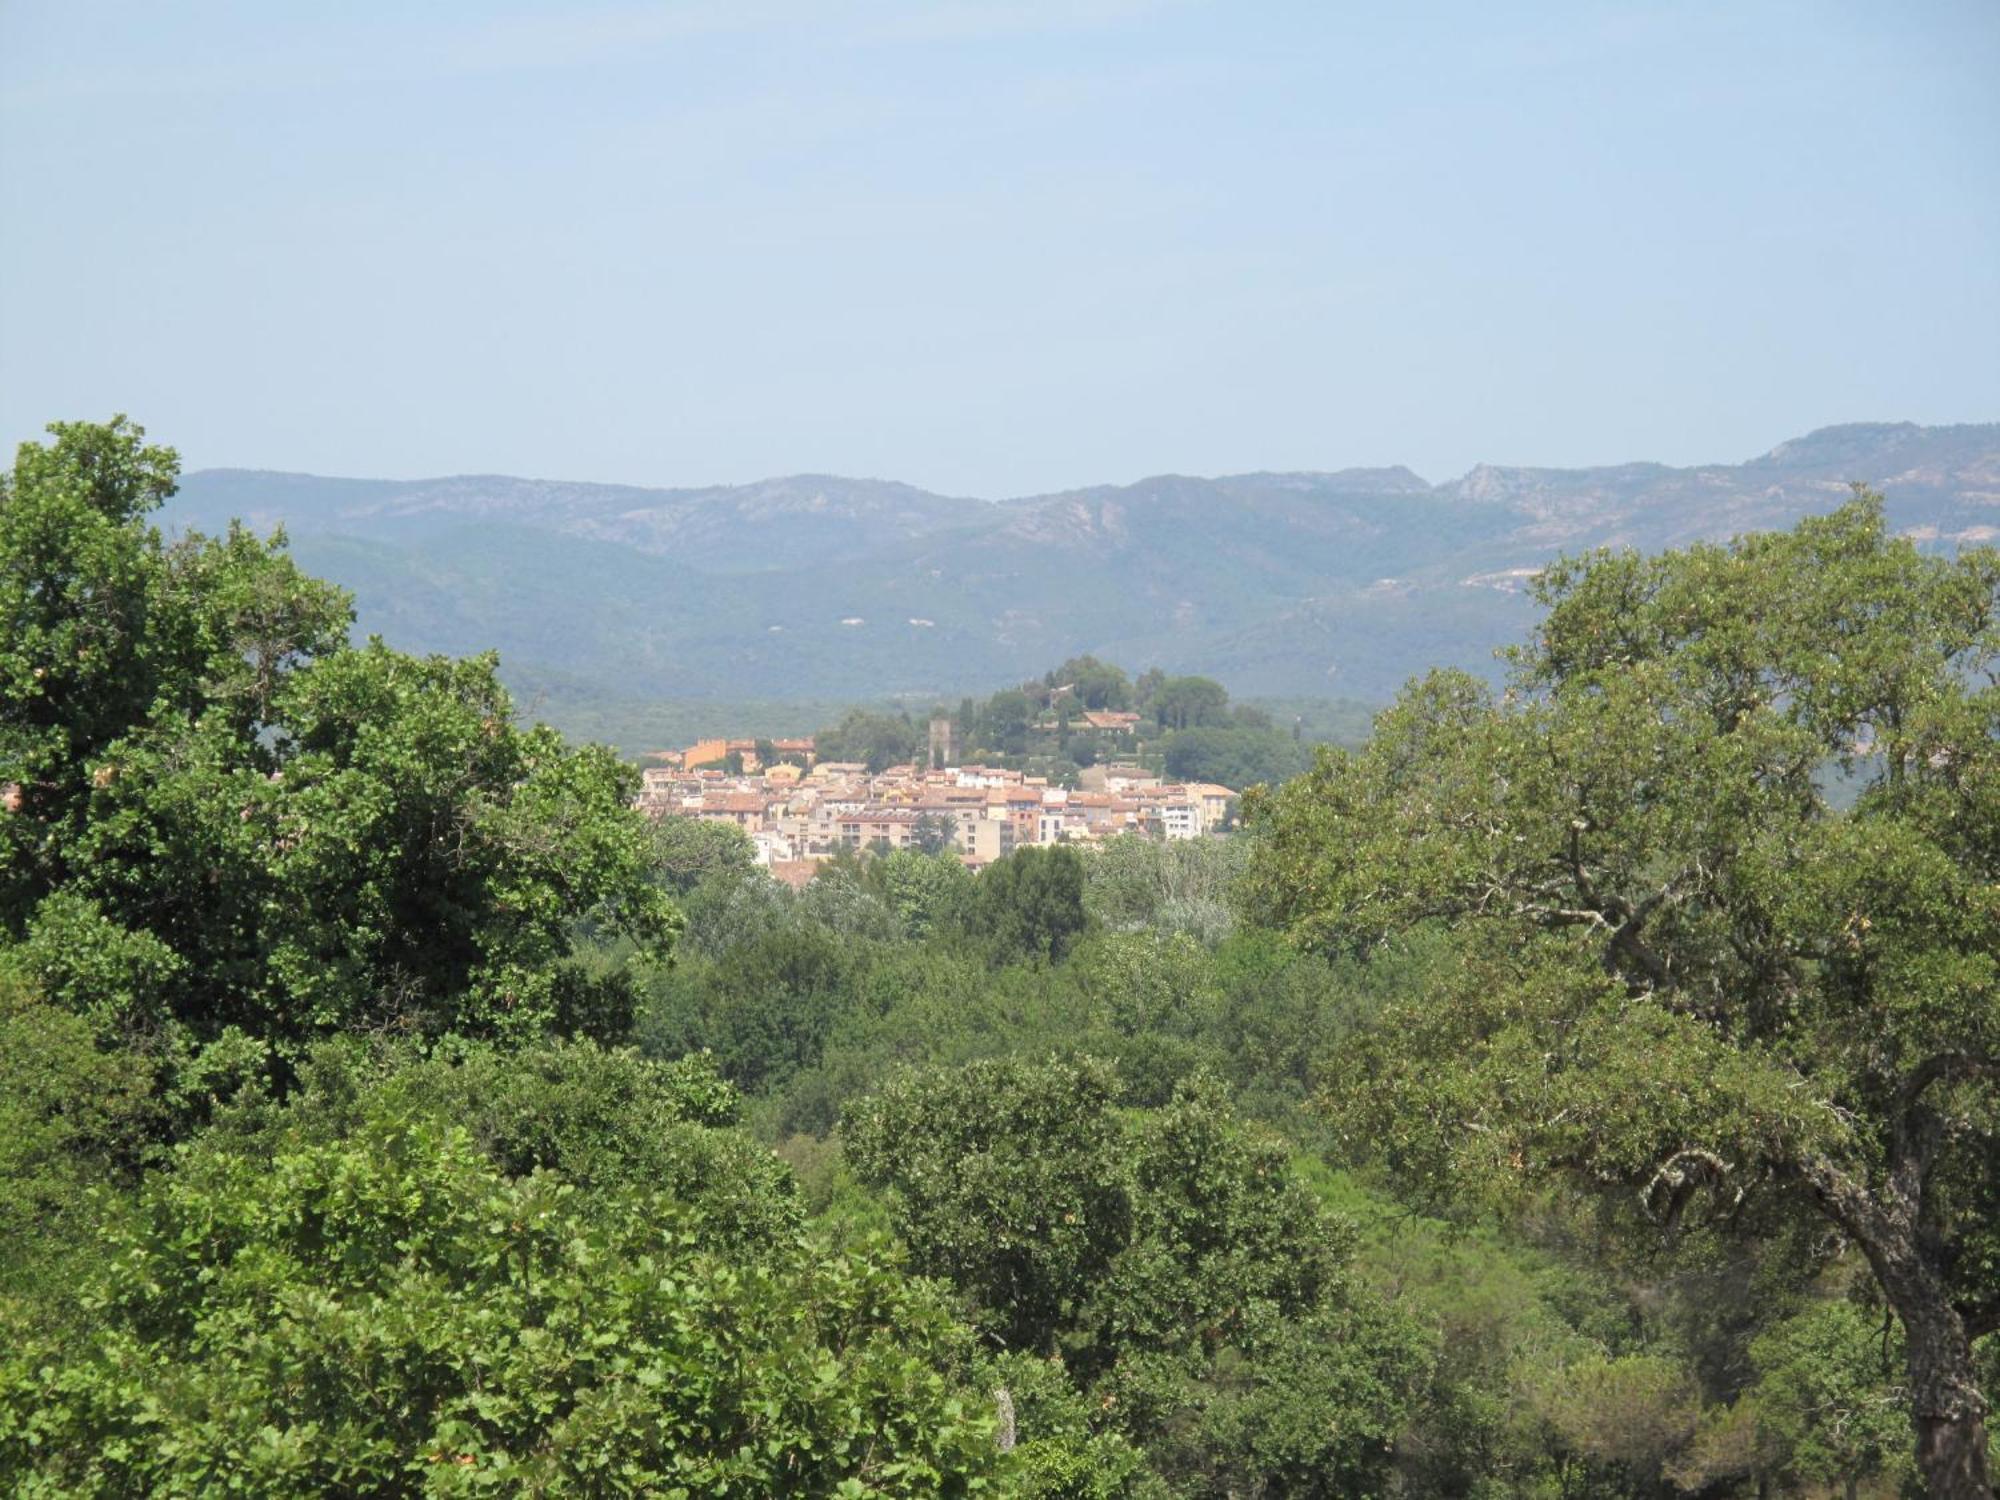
[(1590, 1088)]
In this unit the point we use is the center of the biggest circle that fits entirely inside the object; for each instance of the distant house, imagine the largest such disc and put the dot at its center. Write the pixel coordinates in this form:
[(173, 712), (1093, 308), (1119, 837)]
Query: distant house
[(983, 840), (1214, 800), (1108, 776), (772, 847), (1116, 721), (878, 827), (744, 809)]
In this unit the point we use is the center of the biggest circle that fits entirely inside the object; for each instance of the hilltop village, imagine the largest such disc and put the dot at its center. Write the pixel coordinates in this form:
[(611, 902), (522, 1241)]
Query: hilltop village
[(799, 810)]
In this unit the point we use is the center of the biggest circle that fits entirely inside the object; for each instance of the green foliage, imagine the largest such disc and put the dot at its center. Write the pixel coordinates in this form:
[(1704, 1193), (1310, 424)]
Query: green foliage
[(1186, 702), (1602, 955), (924, 1006), (1687, 976), (1063, 1451), (102, 626), (764, 1006), (1005, 720), (1008, 1180), (934, 833), (1823, 1409), (1094, 684), (1175, 886), (605, 1120), (926, 892), (685, 852), (72, 1119), (390, 1313), (227, 822), (1028, 905), (1233, 756), (1172, 1262), (877, 740)]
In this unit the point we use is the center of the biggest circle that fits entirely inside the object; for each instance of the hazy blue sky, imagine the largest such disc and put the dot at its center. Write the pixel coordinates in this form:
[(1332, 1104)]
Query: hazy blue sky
[(994, 246)]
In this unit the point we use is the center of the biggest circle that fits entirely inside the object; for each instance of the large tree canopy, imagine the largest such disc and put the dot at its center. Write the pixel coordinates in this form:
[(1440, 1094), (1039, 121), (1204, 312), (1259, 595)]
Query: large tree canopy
[(1725, 859), (1168, 1260), (550, 1274), (219, 815)]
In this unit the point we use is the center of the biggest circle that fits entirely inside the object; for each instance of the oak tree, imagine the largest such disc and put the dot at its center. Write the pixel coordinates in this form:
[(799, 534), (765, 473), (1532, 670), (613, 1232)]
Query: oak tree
[(1725, 863)]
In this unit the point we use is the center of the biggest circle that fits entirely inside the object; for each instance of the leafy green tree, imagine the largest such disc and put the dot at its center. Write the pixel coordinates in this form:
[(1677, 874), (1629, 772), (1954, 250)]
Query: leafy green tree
[(414, 863), (840, 900), (72, 1118), (1005, 721), (920, 1005), (1823, 1405), (1147, 1001), (391, 1314), (1181, 885), (1191, 1285), (1189, 703), (926, 891), (685, 852), (1028, 905), (104, 627), (606, 1120), (934, 833), (1628, 1418), (228, 823), (1689, 976), (1233, 757), (1096, 684), (1146, 687), (1009, 1180), (1061, 1450), (764, 1006), (876, 740)]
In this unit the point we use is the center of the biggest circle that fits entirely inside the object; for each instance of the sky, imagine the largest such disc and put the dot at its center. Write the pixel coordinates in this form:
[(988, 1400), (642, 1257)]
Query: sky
[(994, 247)]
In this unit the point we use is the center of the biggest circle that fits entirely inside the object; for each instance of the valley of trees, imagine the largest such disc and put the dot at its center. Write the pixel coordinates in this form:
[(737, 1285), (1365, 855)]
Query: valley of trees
[(1590, 1089)]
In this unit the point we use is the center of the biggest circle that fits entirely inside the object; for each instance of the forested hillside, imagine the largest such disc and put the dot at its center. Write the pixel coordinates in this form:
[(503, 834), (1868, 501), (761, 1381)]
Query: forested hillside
[(1560, 1094), (1330, 585)]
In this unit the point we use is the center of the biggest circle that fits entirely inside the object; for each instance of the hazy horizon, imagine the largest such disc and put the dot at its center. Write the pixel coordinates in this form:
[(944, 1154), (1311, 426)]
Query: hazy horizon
[(1077, 485), (999, 247)]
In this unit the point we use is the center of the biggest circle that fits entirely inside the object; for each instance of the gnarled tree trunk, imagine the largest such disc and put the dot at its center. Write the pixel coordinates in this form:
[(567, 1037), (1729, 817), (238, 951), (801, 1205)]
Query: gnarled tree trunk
[(1946, 1406), (1945, 1402)]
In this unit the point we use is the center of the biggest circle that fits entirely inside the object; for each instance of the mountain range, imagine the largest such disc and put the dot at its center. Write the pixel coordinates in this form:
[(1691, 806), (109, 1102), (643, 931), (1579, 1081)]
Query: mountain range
[(1325, 584)]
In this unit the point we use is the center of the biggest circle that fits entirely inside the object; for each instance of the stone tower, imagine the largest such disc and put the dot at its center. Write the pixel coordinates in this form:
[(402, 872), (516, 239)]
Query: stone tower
[(944, 742)]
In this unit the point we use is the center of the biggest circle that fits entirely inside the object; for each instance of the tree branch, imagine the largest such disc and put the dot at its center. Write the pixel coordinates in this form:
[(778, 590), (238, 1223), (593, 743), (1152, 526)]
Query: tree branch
[(1666, 1197), (1846, 1201), (1941, 1068), (1980, 1319)]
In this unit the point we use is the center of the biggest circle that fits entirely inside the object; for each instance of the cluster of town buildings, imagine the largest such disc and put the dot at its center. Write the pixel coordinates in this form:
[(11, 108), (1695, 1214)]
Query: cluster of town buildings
[(798, 810)]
